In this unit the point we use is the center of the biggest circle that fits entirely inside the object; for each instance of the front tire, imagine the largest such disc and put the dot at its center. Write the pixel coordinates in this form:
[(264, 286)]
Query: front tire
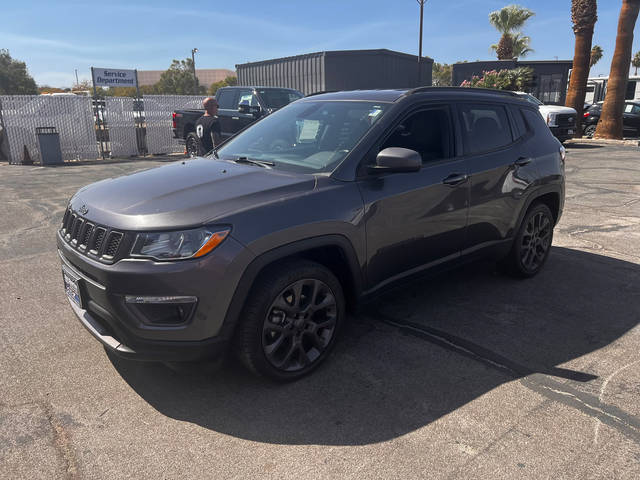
[(532, 243), (290, 320)]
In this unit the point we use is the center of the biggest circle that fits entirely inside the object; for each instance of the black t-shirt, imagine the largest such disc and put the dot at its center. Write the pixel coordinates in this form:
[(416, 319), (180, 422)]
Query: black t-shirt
[(206, 126)]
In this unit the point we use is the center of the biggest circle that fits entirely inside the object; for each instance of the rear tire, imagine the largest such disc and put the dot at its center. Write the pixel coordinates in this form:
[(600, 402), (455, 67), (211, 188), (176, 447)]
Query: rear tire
[(194, 147), (532, 243), (290, 320), (589, 131)]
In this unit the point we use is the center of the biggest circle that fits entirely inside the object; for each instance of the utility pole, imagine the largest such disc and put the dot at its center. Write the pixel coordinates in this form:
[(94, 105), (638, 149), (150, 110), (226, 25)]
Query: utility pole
[(193, 63), (421, 2)]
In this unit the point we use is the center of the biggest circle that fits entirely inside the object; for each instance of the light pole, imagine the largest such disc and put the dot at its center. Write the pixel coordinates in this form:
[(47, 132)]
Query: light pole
[(193, 63), (421, 2)]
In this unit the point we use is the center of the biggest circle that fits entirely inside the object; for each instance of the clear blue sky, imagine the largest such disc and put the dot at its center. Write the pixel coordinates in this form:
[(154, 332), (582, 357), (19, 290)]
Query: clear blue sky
[(56, 37)]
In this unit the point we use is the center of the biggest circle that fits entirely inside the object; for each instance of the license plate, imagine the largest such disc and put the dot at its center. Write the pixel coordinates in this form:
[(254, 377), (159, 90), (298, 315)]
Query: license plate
[(71, 287), (571, 132)]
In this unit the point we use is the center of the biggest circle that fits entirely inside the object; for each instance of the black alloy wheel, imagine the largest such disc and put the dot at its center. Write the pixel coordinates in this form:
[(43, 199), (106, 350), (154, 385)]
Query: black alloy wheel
[(299, 325), (590, 131), (532, 243), (291, 320), (536, 241)]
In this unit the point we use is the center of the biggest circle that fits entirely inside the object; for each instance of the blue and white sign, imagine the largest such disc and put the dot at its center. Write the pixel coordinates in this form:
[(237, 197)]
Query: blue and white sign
[(110, 77)]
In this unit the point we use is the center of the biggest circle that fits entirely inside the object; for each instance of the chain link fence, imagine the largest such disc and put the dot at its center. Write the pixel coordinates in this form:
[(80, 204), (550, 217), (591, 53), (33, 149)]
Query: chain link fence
[(72, 117), (115, 127), (158, 123)]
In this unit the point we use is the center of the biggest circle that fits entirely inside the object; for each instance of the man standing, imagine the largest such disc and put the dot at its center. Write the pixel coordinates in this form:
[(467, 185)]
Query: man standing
[(208, 127)]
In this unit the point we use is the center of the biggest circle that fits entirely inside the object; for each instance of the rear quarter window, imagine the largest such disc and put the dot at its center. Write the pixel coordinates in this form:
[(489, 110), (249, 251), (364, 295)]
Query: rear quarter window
[(534, 120)]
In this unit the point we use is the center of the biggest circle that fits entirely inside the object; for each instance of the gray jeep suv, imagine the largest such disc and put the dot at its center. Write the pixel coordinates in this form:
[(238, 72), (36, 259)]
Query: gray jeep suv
[(260, 248)]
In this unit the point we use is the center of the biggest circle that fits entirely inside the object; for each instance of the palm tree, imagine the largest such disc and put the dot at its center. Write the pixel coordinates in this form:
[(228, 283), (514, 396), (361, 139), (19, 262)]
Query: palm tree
[(518, 45), (584, 14), (596, 55), (636, 62), (507, 20), (521, 45), (610, 124)]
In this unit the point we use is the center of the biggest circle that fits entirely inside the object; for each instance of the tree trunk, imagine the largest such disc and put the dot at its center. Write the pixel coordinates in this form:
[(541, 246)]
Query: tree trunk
[(610, 124), (505, 47), (579, 75)]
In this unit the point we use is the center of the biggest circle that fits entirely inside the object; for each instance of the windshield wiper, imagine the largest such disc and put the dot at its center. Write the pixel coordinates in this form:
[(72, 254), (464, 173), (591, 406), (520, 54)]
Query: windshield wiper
[(251, 161)]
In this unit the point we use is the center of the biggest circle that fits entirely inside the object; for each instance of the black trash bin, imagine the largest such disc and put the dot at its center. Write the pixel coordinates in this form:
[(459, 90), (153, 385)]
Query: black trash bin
[(49, 142)]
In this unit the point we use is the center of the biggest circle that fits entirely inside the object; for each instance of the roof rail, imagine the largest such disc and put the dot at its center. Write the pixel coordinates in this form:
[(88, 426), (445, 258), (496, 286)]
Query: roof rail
[(321, 92), (507, 93)]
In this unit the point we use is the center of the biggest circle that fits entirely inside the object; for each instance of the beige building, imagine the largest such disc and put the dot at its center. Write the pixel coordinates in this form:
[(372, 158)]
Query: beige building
[(205, 76)]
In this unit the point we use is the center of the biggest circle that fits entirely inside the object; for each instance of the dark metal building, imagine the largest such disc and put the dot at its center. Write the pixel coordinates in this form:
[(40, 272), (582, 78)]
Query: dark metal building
[(338, 70), (550, 77)]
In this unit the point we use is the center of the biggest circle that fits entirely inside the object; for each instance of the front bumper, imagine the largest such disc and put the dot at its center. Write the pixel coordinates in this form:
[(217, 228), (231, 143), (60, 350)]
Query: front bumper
[(122, 329), (563, 133)]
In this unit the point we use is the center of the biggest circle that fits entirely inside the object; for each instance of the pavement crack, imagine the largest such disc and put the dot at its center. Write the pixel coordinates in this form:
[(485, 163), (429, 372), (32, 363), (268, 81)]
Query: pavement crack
[(538, 381)]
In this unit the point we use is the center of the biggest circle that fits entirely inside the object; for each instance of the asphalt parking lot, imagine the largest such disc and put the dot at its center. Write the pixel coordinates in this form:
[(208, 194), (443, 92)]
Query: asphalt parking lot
[(467, 375)]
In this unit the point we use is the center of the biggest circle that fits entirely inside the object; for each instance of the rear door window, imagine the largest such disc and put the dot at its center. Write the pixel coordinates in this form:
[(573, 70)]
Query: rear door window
[(484, 127)]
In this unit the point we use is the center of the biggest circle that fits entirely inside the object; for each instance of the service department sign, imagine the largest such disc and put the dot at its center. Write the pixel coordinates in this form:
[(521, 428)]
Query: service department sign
[(109, 77)]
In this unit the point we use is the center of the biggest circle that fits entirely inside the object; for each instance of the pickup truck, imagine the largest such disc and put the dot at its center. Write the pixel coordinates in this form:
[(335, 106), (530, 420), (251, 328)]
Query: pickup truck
[(239, 107), (560, 120)]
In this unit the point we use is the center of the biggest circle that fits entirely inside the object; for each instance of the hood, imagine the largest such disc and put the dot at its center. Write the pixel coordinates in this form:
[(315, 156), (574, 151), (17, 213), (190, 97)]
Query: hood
[(186, 193), (546, 109)]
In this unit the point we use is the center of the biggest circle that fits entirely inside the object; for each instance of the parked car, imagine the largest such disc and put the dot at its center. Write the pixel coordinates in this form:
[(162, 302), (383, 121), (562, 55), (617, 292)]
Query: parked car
[(630, 120), (239, 107), (260, 248), (561, 120)]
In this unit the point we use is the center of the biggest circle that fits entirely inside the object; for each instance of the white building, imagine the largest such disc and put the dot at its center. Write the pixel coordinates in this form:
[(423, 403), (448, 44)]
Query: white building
[(597, 89)]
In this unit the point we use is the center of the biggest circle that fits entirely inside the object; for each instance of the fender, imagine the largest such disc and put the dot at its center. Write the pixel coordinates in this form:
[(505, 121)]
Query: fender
[(257, 265), (533, 196)]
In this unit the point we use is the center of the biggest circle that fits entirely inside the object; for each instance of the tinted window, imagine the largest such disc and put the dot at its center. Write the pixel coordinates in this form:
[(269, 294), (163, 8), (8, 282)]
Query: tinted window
[(426, 132), (276, 97), (521, 128), (247, 97), (534, 120), (485, 127), (225, 99)]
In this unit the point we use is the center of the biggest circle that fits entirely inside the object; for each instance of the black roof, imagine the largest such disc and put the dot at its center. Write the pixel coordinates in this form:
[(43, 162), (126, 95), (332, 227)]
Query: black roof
[(390, 96)]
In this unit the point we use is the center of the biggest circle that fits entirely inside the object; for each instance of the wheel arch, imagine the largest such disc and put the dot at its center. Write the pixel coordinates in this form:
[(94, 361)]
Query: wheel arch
[(335, 252)]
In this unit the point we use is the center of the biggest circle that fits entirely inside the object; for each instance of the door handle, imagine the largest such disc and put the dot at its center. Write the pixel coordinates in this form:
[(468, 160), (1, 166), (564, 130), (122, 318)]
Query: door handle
[(522, 161), (455, 179), (235, 118)]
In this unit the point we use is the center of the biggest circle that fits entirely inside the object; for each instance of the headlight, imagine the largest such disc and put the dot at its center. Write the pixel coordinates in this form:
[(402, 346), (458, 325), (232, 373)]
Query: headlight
[(551, 119), (178, 245)]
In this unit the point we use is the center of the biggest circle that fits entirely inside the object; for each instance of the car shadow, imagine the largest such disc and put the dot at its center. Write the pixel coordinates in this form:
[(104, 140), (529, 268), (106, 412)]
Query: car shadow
[(382, 382)]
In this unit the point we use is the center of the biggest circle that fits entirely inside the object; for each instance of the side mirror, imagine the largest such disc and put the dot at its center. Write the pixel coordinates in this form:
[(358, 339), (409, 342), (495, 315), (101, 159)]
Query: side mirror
[(245, 108), (396, 160)]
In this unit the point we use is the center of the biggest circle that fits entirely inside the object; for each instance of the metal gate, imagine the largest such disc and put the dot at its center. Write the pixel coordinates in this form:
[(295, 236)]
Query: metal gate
[(157, 112), (71, 115), (120, 118)]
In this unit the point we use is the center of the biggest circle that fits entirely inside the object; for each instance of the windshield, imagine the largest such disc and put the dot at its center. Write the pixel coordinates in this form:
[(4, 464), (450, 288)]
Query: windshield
[(307, 137), (277, 97)]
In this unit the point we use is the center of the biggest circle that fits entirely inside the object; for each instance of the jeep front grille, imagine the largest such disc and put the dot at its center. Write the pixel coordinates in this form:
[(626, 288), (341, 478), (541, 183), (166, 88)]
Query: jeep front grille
[(97, 241)]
